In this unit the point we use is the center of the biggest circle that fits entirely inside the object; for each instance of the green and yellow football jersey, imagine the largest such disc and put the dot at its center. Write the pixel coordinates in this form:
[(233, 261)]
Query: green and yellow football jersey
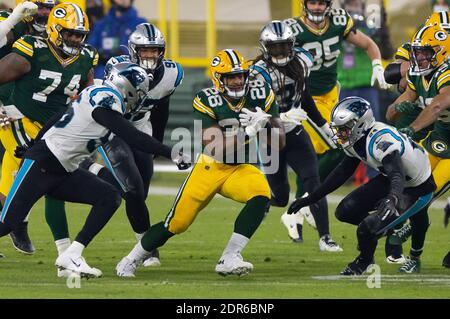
[(20, 29), (213, 109), (403, 52), (324, 45), (438, 141), (52, 81)]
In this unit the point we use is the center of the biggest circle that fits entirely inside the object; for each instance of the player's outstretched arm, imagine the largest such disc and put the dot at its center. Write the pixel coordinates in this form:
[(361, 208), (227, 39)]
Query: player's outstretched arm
[(335, 179), (408, 96), (13, 67)]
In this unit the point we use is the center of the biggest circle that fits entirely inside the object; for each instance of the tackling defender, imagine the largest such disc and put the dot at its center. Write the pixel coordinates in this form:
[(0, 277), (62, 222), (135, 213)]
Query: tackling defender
[(287, 69), (223, 109), (403, 190)]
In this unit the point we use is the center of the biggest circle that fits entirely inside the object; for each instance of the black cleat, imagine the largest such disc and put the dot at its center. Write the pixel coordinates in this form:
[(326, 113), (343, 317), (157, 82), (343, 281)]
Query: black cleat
[(446, 261), (356, 267), (2, 256), (21, 241)]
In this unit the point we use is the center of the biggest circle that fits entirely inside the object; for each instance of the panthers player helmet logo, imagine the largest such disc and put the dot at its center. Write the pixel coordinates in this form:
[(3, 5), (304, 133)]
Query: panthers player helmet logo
[(430, 47), (229, 62), (64, 21)]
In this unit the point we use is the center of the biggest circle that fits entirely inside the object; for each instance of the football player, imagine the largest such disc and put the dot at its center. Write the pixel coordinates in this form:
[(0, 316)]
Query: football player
[(132, 169), (403, 190), (51, 165), (47, 72), (446, 260), (287, 69), (221, 168), (321, 31)]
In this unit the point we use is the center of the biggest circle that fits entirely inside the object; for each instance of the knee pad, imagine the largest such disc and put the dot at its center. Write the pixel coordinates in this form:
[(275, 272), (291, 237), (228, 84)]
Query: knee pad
[(343, 210), (370, 225)]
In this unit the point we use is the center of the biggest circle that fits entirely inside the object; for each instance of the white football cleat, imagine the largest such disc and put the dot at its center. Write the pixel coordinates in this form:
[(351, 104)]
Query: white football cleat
[(326, 243), (153, 259), (233, 264), (306, 212), (64, 273), (393, 260), (76, 264), (294, 224), (127, 267)]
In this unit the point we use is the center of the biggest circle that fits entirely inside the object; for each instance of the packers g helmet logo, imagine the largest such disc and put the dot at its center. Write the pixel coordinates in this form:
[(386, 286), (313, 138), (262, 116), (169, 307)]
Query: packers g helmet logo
[(439, 146), (60, 13), (440, 35), (215, 61)]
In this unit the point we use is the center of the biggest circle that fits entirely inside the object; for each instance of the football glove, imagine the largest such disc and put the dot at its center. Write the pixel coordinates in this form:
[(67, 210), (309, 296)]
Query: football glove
[(23, 10), (386, 207), (378, 75), (327, 130), (20, 150), (405, 107), (298, 204), (253, 122), (295, 115), (409, 131), (183, 161)]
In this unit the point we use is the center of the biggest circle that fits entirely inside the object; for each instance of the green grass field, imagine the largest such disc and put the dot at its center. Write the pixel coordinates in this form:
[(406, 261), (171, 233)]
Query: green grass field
[(282, 269)]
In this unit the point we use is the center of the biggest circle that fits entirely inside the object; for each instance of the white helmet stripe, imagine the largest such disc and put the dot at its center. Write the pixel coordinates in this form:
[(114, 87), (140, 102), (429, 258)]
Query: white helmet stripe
[(421, 31), (233, 56), (80, 16)]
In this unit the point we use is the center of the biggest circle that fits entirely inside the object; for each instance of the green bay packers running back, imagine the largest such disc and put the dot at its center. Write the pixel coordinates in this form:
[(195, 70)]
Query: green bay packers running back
[(47, 73), (232, 105)]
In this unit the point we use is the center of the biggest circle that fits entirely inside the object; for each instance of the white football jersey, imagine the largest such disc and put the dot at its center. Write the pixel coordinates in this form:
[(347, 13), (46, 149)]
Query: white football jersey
[(77, 135), (283, 86), (384, 139)]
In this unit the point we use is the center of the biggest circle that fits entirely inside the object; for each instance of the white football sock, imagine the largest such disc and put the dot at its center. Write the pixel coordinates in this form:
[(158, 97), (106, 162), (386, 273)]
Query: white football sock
[(62, 245), (76, 248), (139, 236), (138, 253), (236, 244)]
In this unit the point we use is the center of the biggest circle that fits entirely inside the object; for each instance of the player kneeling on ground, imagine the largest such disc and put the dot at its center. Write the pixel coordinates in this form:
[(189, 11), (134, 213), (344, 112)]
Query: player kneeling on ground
[(225, 110), (51, 165), (403, 190)]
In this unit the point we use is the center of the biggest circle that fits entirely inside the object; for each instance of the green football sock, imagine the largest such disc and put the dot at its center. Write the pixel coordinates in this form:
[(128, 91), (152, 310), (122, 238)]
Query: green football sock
[(327, 162), (155, 237), (55, 215), (251, 216), (419, 224)]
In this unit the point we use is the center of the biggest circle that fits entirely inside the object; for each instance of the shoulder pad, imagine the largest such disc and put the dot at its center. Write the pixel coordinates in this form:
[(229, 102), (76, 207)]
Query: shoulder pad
[(383, 142), (174, 70), (259, 71), (106, 97)]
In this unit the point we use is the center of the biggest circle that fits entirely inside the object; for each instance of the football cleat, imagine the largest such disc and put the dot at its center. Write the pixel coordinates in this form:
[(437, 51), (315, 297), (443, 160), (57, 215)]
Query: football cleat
[(396, 259), (357, 267), (401, 235), (127, 267), (233, 264), (21, 241), (326, 243), (64, 273), (2, 256), (153, 260), (76, 264), (306, 212), (446, 261), (294, 225), (412, 265)]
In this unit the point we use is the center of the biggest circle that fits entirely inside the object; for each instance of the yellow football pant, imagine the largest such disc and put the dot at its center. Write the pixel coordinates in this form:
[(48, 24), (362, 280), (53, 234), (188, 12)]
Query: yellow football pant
[(208, 177), (20, 132), (440, 168), (325, 104)]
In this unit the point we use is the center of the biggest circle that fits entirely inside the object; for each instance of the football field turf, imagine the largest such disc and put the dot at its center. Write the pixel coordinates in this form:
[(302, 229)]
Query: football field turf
[(282, 269)]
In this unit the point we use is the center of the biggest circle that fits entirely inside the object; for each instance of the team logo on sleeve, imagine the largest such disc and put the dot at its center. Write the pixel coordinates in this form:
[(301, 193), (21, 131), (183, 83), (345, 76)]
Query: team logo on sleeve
[(60, 13), (439, 146)]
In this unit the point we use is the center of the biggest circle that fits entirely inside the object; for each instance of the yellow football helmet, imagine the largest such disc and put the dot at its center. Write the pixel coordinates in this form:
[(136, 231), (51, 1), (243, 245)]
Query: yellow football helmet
[(228, 62), (430, 44), (440, 17), (39, 21), (70, 19)]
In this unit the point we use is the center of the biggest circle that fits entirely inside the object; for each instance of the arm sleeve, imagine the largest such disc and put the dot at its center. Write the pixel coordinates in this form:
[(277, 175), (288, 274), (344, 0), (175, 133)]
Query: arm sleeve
[(392, 165), (125, 130), (159, 117), (310, 107), (392, 73), (335, 179)]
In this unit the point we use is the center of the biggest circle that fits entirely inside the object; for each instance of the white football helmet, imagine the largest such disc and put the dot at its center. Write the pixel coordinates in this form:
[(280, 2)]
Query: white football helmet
[(146, 35), (350, 120)]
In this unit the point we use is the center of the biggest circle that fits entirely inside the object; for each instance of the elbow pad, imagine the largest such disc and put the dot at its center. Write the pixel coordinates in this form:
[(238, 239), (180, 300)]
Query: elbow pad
[(392, 73)]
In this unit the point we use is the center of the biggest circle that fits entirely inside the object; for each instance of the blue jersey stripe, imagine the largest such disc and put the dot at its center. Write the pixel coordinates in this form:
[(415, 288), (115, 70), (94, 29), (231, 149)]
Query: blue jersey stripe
[(111, 169), (263, 72), (23, 171), (180, 75), (382, 132)]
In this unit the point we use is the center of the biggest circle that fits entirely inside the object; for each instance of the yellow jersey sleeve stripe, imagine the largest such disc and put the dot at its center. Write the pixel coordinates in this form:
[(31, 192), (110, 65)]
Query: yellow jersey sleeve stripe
[(199, 102), (443, 75), (443, 80), (29, 46), (349, 26), (23, 49), (269, 101), (95, 62), (403, 53), (201, 108), (3, 18)]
